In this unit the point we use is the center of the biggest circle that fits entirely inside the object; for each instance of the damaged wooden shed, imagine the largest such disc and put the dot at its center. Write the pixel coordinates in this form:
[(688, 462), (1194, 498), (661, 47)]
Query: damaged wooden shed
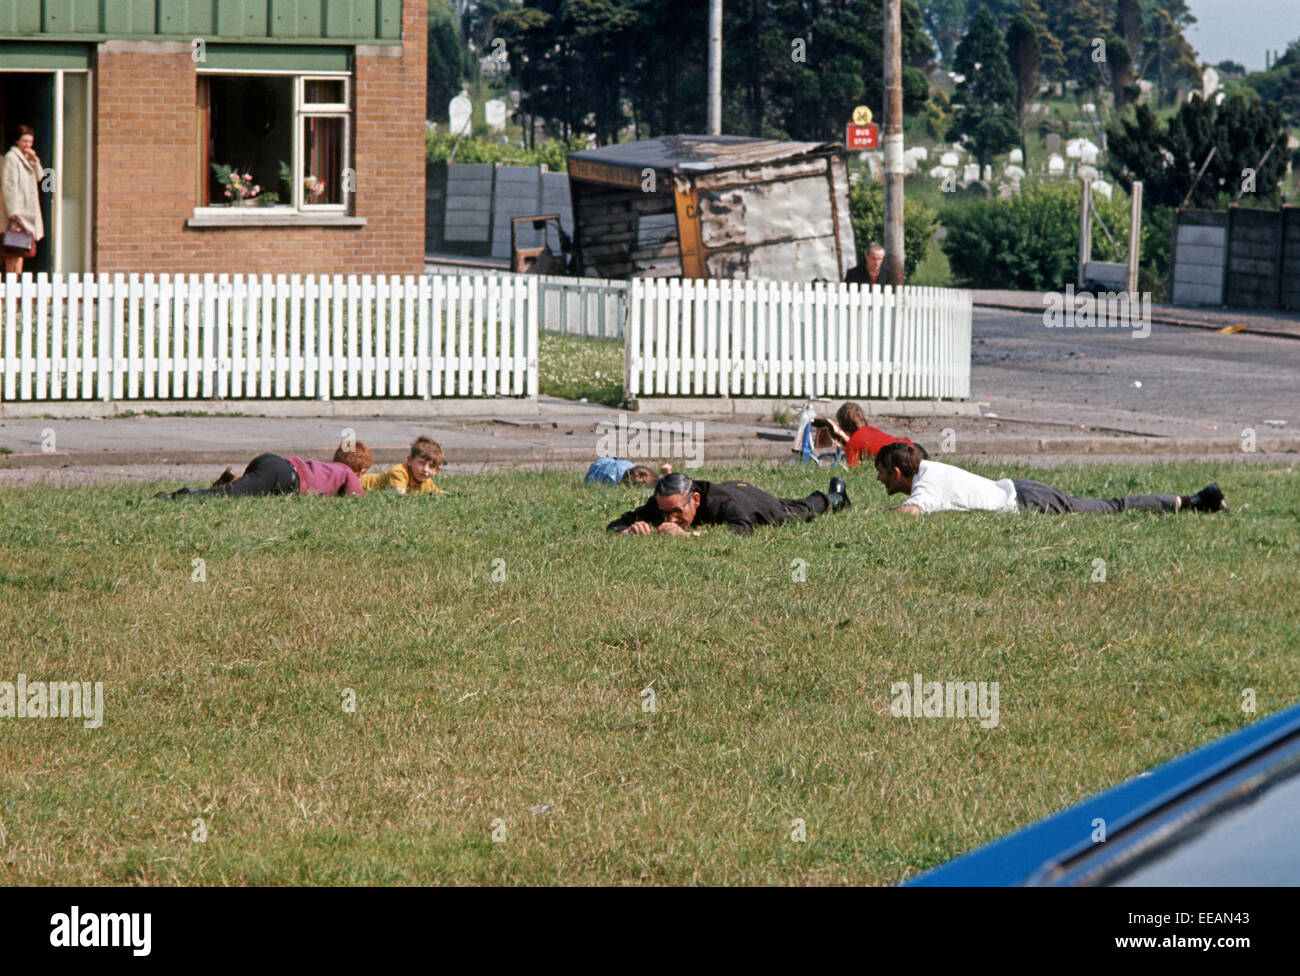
[(712, 207)]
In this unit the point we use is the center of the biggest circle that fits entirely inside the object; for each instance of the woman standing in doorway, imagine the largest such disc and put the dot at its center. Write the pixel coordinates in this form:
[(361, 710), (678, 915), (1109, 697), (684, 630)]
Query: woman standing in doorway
[(20, 206)]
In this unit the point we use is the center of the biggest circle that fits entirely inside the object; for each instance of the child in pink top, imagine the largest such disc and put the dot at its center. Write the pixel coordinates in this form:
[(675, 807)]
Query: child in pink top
[(270, 474)]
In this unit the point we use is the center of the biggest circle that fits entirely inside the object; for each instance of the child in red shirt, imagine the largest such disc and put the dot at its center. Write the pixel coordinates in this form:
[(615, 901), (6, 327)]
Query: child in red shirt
[(856, 437)]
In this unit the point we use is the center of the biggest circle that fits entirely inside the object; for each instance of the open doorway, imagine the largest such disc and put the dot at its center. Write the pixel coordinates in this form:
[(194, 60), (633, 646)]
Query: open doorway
[(27, 98)]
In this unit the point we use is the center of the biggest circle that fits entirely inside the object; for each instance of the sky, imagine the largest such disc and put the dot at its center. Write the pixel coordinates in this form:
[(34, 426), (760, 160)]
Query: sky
[(1242, 30)]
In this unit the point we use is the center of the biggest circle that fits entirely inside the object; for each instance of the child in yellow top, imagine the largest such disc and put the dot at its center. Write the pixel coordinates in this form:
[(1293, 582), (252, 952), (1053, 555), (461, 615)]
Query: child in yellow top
[(415, 475)]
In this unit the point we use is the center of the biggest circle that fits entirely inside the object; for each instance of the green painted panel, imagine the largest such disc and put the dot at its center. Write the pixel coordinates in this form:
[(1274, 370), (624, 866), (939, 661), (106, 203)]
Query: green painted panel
[(241, 18), (350, 19), (249, 21), (390, 19), (43, 56), (56, 16), (20, 17), (363, 18), (279, 57), (296, 18), (186, 19), (134, 18)]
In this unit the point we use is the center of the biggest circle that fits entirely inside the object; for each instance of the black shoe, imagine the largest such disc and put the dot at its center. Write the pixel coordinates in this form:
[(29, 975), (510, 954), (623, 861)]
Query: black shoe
[(1208, 499), (838, 493)]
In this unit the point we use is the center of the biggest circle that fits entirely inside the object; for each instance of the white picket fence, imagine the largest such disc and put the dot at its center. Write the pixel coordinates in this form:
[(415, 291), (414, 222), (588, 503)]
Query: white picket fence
[(141, 336), (145, 337), (778, 339)]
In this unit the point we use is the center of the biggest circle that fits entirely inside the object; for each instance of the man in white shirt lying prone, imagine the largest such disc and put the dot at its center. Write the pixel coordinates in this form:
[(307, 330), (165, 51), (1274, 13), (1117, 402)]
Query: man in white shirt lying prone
[(931, 486)]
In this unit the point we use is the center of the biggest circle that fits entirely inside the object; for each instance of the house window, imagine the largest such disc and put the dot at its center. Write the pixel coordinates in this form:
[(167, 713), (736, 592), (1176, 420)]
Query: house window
[(274, 141)]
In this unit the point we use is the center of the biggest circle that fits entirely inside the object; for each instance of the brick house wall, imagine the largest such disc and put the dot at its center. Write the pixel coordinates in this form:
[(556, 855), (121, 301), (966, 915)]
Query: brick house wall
[(146, 160)]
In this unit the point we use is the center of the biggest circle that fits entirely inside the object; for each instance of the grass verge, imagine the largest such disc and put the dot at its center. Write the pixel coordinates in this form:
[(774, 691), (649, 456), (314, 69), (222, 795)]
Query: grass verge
[(498, 646)]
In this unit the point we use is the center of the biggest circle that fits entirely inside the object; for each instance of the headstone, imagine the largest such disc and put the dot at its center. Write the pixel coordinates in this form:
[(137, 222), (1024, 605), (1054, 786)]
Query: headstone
[(1055, 165), (988, 173), (1053, 143), (1014, 173), (494, 113), (1101, 188), (950, 159), (970, 173), (1016, 158), (1088, 109), (1088, 173), (460, 110), (1209, 82)]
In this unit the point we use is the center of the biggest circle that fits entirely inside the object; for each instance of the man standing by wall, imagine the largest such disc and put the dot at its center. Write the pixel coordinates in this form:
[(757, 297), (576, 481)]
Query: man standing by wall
[(868, 272)]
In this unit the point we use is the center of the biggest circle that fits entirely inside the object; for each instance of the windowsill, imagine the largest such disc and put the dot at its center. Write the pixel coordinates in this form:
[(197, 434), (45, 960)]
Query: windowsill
[(255, 217)]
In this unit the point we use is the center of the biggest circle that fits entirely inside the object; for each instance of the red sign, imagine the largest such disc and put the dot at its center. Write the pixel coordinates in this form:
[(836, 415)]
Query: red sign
[(862, 136)]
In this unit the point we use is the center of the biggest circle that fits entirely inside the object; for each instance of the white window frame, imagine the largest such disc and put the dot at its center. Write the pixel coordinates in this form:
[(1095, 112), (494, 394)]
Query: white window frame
[(301, 111), (329, 110)]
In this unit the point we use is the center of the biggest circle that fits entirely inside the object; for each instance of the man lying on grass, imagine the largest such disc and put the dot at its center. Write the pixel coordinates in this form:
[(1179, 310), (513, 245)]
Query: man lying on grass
[(932, 486), (678, 503)]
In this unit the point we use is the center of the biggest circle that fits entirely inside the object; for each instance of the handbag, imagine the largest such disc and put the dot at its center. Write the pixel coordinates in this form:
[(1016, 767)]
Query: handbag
[(18, 242)]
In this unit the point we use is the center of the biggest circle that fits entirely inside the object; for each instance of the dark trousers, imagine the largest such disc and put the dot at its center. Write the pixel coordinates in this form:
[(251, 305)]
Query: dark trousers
[(806, 509), (266, 474), (1044, 498)]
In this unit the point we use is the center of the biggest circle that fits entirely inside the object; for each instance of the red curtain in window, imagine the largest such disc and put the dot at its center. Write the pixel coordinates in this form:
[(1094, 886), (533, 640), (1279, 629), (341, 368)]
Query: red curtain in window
[(323, 142)]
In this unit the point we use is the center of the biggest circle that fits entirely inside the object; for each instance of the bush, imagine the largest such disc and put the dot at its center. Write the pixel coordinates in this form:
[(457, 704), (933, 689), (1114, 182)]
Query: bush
[(1031, 241), (438, 143), (867, 209), (1157, 242)]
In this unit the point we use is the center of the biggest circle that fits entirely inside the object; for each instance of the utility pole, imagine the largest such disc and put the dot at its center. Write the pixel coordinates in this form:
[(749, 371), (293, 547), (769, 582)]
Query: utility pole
[(715, 67), (892, 272)]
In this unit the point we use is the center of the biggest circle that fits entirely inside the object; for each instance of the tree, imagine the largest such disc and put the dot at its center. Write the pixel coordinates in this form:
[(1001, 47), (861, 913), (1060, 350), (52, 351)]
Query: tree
[(944, 21), (985, 98), (1026, 62), (1167, 59), (1119, 61), (1080, 24), (571, 59), (1124, 49), (1167, 158), (447, 61), (1281, 83), (1050, 52), (832, 61)]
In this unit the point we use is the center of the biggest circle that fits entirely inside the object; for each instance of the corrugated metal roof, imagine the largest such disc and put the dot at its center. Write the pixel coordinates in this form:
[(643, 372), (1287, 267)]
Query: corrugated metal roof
[(695, 154)]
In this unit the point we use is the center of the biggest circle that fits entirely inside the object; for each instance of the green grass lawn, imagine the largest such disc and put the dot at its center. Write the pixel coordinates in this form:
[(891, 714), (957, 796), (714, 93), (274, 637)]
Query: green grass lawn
[(498, 644), (573, 367)]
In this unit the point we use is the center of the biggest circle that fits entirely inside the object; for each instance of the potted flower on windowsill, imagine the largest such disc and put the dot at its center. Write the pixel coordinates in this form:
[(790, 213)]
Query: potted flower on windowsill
[(239, 187), (315, 187)]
